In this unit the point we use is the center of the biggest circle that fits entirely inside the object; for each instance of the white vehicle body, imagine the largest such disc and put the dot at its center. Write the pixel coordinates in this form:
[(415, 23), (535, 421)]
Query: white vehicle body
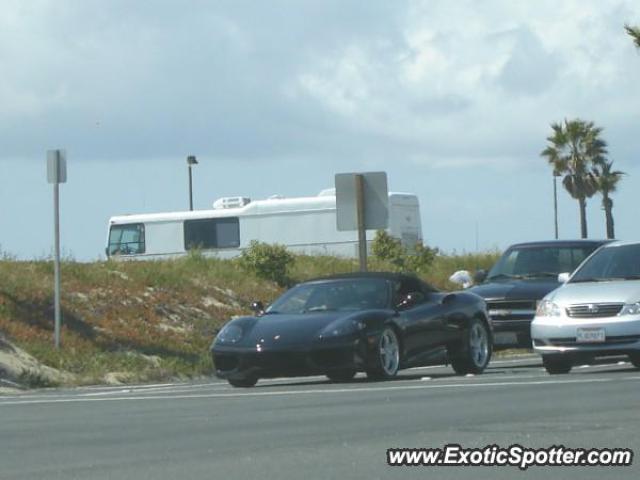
[(596, 313), (304, 225)]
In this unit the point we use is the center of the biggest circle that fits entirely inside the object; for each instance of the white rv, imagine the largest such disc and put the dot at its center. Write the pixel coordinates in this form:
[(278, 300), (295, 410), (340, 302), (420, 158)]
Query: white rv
[(304, 225)]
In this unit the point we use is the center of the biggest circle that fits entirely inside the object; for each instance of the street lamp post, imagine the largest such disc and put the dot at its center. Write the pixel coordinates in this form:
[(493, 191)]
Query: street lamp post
[(555, 202), (191, 160)]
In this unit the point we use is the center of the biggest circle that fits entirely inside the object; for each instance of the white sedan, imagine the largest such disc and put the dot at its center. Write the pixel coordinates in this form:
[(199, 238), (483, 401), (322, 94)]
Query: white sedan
[(595, 313)]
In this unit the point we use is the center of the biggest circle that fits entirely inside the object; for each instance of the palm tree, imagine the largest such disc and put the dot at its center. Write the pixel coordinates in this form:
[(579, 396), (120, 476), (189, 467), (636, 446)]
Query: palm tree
[(573, 148), (607, 182), (634, 32)]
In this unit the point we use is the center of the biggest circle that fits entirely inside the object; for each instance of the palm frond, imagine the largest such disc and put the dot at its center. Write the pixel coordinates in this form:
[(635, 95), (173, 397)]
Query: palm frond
[(634, 33)]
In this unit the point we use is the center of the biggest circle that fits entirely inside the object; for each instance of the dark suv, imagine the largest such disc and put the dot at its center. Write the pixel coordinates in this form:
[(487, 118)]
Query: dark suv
[(524, 274)]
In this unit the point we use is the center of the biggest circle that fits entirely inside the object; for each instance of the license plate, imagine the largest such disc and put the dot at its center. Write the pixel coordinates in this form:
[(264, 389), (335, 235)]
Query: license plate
[(505, 338), (590, 335)]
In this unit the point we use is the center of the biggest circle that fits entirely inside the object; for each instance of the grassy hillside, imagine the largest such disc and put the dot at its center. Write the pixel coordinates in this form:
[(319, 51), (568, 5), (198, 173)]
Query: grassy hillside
[(142, 321)]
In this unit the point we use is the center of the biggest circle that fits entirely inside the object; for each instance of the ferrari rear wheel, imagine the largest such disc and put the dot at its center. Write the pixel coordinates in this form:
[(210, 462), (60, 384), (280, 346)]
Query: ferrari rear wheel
[(243, 382), (474, 354), (387, 356), (557, 364), (339, 376)]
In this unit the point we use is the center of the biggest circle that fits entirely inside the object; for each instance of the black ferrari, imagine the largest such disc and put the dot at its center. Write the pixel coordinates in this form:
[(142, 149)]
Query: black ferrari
[(378, 323)]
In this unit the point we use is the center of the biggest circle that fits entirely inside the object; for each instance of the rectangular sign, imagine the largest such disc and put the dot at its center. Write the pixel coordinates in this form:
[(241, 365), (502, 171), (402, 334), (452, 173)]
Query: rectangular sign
[(375, 201), (56, 166)]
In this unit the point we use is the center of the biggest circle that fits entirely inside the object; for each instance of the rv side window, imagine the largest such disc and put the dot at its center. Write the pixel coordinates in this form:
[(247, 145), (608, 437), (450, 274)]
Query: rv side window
[(212, 233), (126, 239)]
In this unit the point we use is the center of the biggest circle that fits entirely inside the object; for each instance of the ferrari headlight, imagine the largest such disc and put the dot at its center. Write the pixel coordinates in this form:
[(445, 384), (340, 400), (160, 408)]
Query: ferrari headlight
[(344, 329), (631, 309), (230, 334), (546, 308)]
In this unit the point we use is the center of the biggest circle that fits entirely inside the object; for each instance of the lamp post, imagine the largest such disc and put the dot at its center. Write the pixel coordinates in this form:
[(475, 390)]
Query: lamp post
[(555, 201), (191, 160)]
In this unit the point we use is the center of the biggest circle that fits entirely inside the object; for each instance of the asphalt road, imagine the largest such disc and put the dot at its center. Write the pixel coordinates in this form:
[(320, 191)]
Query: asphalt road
[(310, 428)]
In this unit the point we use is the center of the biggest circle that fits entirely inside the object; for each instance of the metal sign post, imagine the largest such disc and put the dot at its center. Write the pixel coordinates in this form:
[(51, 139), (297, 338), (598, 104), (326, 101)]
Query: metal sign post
[(362, 232), (362, 203), (56, 174)]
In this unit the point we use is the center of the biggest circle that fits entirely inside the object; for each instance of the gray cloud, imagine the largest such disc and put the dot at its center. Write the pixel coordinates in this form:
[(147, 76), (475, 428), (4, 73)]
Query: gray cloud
[(283, 79)]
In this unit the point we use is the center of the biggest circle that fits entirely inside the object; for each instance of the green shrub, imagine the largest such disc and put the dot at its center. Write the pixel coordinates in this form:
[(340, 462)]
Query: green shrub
[(390, 249), (271, 262)]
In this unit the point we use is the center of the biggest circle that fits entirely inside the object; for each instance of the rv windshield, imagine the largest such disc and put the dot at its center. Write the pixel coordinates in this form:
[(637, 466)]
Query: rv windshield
[(126, 239)]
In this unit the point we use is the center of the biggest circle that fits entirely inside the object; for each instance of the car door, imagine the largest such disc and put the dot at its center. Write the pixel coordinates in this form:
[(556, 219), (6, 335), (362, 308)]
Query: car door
[(423, 322)]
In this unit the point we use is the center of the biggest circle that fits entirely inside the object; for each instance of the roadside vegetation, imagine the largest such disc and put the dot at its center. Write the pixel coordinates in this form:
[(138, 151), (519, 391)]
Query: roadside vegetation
[(141, 321)]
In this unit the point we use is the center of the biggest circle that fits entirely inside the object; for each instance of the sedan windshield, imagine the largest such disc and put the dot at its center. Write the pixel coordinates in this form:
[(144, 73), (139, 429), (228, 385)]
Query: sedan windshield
[(620, 262), (539, 261), (333, 295)]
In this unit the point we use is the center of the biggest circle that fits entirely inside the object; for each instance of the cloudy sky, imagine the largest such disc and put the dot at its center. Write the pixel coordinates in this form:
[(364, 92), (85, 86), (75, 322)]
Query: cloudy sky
[(452, 99)]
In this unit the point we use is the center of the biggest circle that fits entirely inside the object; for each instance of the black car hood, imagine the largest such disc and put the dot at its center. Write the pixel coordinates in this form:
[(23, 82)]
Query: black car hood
[(284, 330), (533, 289)]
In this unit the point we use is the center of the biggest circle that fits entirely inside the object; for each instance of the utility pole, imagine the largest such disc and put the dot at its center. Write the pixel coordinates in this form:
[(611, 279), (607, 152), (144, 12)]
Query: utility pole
[(555, 202), (362, 232)]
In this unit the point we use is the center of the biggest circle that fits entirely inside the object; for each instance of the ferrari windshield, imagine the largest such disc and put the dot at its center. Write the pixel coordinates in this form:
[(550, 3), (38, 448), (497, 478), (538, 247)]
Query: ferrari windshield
[(539, 261), (617, 262), (334, 295)]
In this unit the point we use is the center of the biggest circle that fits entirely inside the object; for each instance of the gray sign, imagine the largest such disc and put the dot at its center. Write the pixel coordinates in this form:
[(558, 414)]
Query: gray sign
[(56, 166), (375, 201)]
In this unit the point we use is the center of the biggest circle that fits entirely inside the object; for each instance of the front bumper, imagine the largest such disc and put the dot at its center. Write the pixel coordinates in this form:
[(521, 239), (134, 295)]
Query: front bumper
[(559, 335), (237, 363)]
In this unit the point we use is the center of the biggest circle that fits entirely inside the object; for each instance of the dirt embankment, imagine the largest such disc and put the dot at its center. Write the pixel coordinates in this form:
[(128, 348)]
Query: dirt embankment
[(19, 370)]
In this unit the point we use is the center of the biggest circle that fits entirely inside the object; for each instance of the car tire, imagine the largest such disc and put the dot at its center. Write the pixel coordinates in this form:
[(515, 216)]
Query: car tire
[(634, 358), (474, 354), (245, 382), (386, 360), (557, 364), (341, 376)]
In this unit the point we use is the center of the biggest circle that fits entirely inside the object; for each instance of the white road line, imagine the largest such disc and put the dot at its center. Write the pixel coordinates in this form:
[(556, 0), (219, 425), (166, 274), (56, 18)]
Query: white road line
[(172, 389), (387, 388)]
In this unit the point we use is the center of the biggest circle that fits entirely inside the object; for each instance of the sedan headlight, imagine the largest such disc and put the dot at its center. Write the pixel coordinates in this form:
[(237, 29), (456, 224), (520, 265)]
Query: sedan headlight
[(631, 309), (230, 334), (546, 308)]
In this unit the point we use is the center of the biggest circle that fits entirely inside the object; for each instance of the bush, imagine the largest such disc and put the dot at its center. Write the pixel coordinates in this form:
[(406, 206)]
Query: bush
[(270, 262), (390, 249)]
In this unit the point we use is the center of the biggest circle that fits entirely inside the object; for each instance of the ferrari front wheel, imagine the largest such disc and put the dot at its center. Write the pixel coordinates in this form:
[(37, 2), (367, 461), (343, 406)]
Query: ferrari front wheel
[(386, 361), (475, 352)]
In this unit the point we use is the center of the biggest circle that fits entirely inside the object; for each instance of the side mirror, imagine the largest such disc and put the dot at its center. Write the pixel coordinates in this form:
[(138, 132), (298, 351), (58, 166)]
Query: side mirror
[(410, 299), (257, 307), (462, 277), (480, 276), (563, 277)]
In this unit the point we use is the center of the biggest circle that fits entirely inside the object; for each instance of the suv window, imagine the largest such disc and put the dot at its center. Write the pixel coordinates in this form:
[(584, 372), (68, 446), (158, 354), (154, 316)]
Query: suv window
[(540, 261)]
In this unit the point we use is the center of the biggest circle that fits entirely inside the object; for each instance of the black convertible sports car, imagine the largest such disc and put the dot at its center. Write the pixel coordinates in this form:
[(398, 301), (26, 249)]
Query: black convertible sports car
[(373, 322)]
